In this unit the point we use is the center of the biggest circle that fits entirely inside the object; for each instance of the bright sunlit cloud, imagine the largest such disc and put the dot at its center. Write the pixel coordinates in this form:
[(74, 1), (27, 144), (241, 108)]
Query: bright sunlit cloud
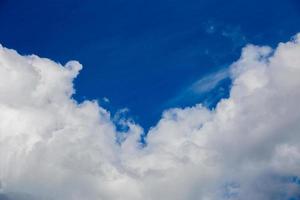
[(53, 148)]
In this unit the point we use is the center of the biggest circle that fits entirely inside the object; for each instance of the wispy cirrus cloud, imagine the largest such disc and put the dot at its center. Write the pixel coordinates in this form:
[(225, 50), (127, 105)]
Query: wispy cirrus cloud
[(206, 90)]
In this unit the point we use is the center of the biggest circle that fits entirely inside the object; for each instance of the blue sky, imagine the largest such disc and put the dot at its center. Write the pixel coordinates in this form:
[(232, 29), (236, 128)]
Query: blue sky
[(146, 55)]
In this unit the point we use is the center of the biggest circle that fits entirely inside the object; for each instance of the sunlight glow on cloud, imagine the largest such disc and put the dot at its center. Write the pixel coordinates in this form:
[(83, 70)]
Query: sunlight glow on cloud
[(248, 147)]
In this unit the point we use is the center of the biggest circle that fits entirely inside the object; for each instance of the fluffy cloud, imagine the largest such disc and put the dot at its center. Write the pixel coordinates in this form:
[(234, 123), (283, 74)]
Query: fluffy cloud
[(248, 147)]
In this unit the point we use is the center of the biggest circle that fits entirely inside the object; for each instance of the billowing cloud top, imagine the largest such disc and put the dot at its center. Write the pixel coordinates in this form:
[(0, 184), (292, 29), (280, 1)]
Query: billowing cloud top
[(248, 147)]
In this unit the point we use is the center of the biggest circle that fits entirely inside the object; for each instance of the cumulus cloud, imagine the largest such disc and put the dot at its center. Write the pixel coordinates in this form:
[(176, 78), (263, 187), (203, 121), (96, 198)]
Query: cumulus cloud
[(248, 147)]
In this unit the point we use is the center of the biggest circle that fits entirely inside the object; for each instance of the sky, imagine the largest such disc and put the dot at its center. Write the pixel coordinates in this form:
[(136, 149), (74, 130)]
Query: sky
[(142, 55), (152, 100)]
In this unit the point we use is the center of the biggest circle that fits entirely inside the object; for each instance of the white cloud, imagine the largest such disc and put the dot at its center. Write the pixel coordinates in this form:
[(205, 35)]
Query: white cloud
[(248, 148)]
